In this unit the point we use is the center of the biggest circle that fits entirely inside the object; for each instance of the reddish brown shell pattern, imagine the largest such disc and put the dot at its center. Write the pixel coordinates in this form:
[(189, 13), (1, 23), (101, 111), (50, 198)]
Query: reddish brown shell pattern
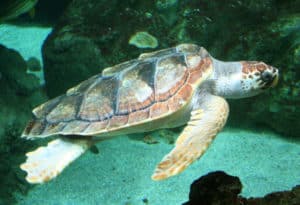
[(132, 93)]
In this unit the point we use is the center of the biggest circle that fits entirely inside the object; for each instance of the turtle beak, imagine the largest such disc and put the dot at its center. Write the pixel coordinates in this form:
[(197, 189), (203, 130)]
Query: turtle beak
[(275, 81), (276, 77), (270, 77)]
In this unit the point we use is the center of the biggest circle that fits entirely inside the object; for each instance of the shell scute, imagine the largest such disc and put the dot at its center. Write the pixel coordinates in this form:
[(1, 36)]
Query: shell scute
[(95, 126), (139, 116), (136, 92), (188, 48), (118, 120), (75, 126), (172, 70), (83, 86), (136, 88), (55, 127), (158, 109), (99, 100), (158, 54), (65, 110), (118, 68), (45, 108)]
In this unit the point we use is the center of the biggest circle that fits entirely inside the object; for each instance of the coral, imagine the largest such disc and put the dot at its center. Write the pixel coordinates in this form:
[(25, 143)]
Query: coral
[(143, 39)]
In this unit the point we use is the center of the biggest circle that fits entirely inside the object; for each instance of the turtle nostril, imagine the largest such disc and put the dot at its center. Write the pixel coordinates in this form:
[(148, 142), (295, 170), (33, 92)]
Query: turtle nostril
[(267, 76)]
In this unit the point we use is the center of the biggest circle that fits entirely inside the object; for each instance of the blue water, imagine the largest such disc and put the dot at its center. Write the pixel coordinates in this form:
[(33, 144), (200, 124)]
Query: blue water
[(121, 173)]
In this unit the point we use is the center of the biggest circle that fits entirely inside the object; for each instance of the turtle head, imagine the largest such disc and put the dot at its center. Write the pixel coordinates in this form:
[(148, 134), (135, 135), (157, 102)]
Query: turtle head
[(258, 76), (245, 79)]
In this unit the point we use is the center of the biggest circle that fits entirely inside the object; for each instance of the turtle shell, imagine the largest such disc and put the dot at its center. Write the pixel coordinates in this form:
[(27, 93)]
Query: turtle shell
[(137, 92)]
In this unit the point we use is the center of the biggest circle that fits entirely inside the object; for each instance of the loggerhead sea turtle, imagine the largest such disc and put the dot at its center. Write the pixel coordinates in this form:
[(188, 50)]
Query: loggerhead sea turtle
[(183, 85)]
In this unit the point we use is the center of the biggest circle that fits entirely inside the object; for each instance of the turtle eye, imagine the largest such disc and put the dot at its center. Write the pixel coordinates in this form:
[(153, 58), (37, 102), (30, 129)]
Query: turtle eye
[(267, 76)]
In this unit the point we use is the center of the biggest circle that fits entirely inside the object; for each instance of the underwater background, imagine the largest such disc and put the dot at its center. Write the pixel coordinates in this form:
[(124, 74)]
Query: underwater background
[(49, 46)]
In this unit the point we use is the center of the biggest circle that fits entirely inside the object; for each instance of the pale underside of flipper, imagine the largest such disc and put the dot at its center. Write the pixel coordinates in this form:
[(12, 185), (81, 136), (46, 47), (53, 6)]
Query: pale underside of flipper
[(45, 163), (205, 123)]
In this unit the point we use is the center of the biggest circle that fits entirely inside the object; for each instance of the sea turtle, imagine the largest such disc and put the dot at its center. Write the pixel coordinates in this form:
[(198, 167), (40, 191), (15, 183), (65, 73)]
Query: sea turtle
[(182, 85)]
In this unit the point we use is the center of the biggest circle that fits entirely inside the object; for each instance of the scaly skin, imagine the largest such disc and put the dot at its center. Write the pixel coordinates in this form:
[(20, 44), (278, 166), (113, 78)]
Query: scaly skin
[(241, 79)]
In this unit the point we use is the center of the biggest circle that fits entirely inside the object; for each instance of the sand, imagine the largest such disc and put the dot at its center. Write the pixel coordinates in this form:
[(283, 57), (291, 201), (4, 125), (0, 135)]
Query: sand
[(120, 173)]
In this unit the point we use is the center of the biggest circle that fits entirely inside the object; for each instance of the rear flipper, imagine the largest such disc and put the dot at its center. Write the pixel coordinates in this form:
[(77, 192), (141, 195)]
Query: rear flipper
[(45, 163)]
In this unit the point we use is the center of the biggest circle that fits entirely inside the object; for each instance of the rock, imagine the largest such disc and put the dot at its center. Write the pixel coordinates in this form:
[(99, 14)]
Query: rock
[(215, 188), (68, 60), (277, 198), (12, 151), (47, 12), (218, 188), (33, 64), (20, 92), (13, 71)]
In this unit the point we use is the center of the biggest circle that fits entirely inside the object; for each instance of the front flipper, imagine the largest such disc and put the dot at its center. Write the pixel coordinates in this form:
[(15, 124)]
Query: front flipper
[(207, 119), (45, 163)]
